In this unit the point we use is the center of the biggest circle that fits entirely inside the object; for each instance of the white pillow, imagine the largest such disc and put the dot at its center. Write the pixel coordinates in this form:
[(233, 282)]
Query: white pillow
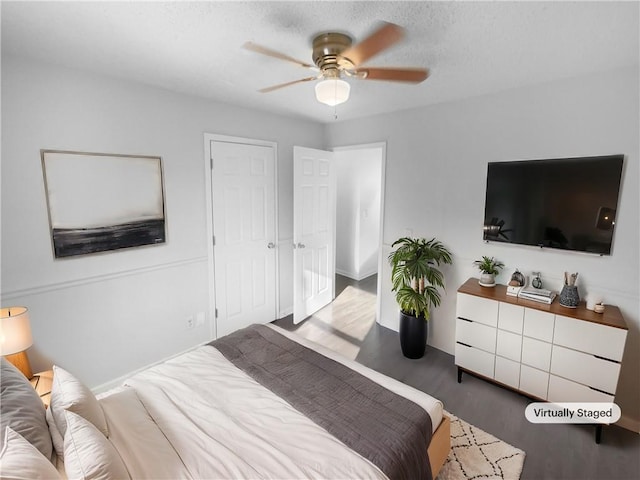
[(22, 409), (69, 393), (19, 460), (89, 455), (56, 436)]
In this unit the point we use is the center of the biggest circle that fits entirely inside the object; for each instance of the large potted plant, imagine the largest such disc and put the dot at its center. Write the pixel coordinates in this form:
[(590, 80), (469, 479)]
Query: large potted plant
[(416, 279)]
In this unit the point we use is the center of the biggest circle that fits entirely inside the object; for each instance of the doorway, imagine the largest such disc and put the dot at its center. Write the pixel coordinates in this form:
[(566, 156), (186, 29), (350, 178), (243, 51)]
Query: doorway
[(360, 213), (338, 199), (343, 324)]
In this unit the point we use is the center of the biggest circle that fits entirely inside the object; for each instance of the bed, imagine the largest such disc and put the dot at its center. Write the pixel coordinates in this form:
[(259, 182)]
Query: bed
[(258, 403)]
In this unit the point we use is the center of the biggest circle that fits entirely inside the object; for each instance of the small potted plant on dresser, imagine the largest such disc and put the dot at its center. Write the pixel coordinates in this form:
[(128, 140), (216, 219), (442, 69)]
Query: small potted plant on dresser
[(489, 268), (416, 279)]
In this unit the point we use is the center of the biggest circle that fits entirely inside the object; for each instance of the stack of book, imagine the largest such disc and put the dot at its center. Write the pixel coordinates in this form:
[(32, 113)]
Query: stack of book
[(537, 294)]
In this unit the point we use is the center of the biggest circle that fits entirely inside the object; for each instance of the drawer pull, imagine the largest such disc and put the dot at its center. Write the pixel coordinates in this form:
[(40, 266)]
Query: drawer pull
[(464, 344), (601, 391), (605, 359), (465, 319)]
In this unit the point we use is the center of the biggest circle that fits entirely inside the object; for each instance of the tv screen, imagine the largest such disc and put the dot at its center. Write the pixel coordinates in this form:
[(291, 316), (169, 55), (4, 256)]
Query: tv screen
[(567, 203)]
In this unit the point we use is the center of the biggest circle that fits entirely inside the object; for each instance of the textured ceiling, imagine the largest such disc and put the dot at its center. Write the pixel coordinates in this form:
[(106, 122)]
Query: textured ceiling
[(471, 48)]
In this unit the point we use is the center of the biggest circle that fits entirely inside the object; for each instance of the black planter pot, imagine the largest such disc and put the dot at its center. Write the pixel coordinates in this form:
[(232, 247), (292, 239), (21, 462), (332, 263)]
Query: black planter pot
[(413, 335)]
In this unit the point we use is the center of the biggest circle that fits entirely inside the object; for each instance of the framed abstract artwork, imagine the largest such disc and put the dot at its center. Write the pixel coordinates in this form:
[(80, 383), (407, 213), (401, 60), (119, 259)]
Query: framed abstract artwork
[(99, 202)]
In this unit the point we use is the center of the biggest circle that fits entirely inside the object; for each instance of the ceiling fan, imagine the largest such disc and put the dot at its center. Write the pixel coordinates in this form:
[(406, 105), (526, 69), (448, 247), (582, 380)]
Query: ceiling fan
[(336, 58)]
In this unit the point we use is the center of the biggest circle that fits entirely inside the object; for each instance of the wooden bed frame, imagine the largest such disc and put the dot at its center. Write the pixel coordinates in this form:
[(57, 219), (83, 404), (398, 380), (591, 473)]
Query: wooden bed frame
[(440, 446)]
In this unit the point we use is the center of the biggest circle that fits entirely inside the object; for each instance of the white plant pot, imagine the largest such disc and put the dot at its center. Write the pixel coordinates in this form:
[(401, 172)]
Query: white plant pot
[(487, 280)]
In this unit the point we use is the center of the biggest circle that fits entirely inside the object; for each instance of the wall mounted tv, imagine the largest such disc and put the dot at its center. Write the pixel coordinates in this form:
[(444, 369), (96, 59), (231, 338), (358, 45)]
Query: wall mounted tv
[(566, 203)]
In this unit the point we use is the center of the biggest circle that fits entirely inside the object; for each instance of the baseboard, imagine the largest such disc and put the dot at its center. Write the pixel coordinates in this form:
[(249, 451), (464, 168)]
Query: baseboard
[(344, 273), (369, 274), (354, 276)]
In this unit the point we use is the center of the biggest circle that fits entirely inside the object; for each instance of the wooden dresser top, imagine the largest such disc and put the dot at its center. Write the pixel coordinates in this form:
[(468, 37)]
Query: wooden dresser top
[(611, 316)]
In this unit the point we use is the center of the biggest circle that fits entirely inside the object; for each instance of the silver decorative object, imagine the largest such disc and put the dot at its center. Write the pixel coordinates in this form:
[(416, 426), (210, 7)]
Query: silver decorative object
[(537, 281)]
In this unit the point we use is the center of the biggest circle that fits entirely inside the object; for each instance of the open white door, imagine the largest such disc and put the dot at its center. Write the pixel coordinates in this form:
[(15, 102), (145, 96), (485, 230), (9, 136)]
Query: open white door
[(314, 214), (243, 197)]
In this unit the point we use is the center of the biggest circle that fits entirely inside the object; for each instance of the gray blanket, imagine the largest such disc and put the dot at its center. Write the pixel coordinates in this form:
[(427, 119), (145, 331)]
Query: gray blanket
[(387, 429)]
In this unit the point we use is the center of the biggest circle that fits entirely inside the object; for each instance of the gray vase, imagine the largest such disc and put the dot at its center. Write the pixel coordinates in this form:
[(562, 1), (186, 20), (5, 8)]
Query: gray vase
[(569, 296)]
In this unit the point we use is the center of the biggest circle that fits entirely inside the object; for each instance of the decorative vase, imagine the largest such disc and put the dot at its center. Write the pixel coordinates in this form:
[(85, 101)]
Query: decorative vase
[(569, 296), (413, 335), (487, 280)]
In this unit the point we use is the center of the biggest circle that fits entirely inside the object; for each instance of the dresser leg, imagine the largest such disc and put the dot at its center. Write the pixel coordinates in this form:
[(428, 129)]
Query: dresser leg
[(598, 434), (459, 375)]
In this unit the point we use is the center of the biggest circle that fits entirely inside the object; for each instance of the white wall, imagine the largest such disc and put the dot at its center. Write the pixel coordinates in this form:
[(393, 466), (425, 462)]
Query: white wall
[(359, 175), (105, 315), (435, 184)]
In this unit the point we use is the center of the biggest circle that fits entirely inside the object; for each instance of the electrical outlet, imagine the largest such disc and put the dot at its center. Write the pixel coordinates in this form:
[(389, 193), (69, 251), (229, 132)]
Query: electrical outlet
[(190, 323)]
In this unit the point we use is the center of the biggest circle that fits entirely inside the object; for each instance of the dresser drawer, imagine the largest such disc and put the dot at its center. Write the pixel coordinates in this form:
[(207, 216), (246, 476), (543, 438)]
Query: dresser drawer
[(534, 382), (476, 334), (510, 317), (477, 309), (509, 345), (538, 324), (536, 353), (475, 360), (584, 368), (563, 390), (589, 337), (507, 372)]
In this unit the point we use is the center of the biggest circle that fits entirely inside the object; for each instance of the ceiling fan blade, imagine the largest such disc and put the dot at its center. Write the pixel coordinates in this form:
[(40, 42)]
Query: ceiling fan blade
[(410, 75), (381, 39), (282, 85), (254, 47)]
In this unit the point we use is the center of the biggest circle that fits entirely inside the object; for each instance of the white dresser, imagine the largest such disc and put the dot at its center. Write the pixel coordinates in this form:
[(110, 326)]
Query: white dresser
[(548, 352)]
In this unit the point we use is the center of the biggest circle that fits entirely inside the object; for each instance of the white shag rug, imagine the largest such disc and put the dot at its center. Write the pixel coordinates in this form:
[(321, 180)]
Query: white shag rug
[(475, 454)]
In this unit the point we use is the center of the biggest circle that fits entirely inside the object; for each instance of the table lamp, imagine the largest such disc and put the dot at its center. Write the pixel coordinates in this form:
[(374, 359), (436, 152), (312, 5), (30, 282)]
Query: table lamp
[(15, 338)]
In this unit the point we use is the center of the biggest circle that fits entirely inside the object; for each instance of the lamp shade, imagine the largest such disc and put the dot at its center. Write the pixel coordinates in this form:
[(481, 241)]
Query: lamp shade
[(332, 91), (15, 331)]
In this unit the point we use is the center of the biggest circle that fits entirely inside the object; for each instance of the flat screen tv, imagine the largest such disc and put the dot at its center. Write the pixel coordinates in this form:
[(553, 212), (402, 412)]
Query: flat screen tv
[(566, 203)]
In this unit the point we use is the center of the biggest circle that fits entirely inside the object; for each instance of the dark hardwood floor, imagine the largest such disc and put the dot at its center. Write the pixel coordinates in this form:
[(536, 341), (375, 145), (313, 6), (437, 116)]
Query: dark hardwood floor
[(553, 451)]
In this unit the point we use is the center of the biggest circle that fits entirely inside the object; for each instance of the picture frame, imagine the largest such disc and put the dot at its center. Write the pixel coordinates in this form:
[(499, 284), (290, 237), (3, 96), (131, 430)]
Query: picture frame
[(100, 202)]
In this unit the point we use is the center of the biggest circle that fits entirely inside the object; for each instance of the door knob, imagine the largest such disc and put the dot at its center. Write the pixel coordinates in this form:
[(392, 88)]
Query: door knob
[(271, 245), (301, 245)]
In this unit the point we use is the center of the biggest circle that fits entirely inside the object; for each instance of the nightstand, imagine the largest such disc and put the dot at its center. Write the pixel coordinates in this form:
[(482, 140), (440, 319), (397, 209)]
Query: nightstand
[(42, 383)]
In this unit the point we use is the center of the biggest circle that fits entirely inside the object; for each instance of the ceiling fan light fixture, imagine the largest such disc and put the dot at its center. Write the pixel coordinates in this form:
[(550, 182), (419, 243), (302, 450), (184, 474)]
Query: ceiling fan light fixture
[(332, 91)]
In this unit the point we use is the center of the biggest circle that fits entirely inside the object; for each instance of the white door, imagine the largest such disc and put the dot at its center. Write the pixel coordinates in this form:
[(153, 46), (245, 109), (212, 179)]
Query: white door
[(243, 197), (313, 231)]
